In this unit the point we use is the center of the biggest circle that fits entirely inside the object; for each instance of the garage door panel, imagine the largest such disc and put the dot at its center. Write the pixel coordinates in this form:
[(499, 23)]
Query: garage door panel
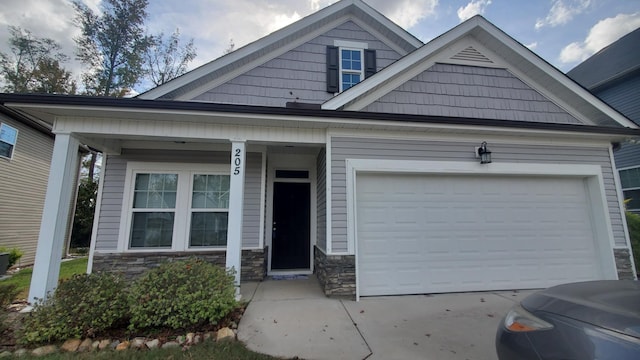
[(422, 234)]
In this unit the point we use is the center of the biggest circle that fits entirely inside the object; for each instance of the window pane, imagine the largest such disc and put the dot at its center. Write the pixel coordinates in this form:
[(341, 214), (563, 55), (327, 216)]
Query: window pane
[(152, 229), (5, 149), (155, 191), (208, 229), (210, 192), (630, 178), (634, 199)]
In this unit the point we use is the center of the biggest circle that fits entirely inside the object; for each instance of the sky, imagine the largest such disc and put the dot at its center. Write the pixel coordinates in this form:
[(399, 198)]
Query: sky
[(563, 32)]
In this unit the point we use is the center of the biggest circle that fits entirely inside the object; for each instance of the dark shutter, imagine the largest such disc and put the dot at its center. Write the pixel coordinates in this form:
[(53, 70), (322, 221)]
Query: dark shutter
[(333, 69), (369, 63)]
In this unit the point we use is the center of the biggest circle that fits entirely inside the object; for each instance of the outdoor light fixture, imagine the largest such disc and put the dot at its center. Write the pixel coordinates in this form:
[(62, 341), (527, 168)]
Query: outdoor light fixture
[(484, 154)]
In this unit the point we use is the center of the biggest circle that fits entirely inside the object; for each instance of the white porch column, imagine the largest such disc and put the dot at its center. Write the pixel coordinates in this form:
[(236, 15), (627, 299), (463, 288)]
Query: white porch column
[(54, 217), (236, 204)]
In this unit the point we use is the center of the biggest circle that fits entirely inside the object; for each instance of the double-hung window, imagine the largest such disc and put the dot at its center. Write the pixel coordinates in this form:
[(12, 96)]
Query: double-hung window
[(351, 67), (177, 207), (8, 139), (348, 63)]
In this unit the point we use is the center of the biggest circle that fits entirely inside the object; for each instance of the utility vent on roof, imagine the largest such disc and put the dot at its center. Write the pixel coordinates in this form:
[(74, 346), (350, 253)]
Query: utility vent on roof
[(471, 54)]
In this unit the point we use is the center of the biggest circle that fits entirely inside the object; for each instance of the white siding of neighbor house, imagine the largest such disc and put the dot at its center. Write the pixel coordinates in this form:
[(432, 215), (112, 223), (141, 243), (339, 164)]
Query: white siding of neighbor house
[(114, 178), (298, 75), (23, 185), (321, 237), (471, 92), (369, 148)]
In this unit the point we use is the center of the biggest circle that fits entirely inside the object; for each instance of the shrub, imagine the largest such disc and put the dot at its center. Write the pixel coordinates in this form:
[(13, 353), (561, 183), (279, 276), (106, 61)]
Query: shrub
[(181, 294), (633, 223), (14, 255), (81, 306)]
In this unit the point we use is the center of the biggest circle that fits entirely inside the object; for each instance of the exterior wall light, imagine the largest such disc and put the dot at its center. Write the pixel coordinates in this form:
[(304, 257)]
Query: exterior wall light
[(484, 154)]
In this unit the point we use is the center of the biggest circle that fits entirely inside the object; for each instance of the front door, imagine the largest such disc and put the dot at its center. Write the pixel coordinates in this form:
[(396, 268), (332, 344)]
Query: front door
[(290, 239)]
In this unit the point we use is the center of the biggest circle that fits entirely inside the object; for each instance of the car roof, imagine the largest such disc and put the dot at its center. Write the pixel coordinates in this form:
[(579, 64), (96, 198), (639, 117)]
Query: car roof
[(611, 304)]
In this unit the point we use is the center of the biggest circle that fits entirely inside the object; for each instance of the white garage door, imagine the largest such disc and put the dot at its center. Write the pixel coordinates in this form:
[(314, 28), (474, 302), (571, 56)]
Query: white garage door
[(428, 234)]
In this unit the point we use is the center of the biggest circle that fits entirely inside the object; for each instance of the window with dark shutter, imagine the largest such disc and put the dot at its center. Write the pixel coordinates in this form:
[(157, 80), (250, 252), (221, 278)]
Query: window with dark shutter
[(348, 63)]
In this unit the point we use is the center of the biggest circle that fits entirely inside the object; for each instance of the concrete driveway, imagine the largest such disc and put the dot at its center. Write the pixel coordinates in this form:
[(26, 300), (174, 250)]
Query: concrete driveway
[(291, 318)]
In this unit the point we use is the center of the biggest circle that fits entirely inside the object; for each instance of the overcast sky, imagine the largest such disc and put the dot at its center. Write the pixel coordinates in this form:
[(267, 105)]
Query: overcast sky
[(563, 32)]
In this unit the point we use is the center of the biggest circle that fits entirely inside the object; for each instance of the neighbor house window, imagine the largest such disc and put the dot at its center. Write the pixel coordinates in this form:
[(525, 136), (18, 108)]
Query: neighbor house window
[(8, 139), (175, 206), (348, 63), (630, 180)]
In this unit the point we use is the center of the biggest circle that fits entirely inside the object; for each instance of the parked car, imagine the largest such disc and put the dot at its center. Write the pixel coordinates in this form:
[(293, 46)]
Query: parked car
[(586, 320)]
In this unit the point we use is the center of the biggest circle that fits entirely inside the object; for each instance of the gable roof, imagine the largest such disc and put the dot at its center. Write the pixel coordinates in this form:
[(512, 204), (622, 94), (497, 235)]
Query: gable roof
[(481, 43), (609, 64), (281, 41)]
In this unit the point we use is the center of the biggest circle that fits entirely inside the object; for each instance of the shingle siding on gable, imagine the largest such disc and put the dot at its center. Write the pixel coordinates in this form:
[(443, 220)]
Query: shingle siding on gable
[(298, 75), (472, 92), (114, 178)]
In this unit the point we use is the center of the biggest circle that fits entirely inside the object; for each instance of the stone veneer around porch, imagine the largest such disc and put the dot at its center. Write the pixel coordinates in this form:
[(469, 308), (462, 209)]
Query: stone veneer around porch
[(336, 273), (131, 265)]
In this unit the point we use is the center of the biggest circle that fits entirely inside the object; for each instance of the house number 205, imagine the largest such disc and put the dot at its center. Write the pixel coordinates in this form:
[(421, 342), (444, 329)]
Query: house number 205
[(237, 161)]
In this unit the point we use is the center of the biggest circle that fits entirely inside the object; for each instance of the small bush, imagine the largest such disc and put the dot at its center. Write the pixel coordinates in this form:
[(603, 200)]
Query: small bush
[(181, 294), (14, 255), (633, 223), (80, 307)]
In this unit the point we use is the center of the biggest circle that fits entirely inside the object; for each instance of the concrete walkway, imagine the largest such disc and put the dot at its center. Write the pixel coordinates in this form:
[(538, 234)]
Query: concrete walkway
[(289, 318)]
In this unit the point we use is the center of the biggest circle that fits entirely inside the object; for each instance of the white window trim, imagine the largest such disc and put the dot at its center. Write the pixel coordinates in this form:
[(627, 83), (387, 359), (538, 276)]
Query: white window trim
[(13, 150), (183, 203)]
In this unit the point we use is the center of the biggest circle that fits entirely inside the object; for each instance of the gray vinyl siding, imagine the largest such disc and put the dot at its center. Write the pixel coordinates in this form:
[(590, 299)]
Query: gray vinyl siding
[(470, 92), (623, 96), (114, 178), (23, 185), (298, 75), (628, 155), (321, 237), (357, 148)]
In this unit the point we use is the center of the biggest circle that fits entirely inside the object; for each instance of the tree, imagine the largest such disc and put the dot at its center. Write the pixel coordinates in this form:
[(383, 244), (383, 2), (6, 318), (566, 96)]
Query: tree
[(34, 65), (165, 59), (85, 202), (112, 44)]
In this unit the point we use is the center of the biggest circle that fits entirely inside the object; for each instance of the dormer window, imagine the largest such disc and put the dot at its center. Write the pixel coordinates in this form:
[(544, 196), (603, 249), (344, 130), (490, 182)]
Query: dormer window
[(348, 63)]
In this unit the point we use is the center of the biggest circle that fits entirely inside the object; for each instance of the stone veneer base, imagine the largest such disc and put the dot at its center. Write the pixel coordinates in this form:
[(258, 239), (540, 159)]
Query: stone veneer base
[(254, 262), (623, 264), (336, 273)]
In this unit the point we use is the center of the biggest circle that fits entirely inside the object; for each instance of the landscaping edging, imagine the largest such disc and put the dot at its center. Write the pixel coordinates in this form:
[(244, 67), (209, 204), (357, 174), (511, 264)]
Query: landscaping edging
[(138, 343)]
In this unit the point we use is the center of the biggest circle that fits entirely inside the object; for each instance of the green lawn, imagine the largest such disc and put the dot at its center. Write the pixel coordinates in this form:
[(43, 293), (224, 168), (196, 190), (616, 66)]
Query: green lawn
[(68, 268)]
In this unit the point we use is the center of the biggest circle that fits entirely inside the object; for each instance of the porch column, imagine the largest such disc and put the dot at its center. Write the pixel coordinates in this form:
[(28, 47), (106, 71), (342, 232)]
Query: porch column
[(236, 204), (54, 217)]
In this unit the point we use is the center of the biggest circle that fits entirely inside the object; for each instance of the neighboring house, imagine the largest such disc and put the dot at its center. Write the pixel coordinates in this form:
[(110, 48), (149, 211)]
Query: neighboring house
[(613, 75), (342, 146), (25, 155)]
